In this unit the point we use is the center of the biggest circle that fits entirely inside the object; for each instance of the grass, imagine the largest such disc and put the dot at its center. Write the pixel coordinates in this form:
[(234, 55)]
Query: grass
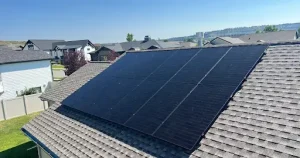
[(13, 142), (58, 66)]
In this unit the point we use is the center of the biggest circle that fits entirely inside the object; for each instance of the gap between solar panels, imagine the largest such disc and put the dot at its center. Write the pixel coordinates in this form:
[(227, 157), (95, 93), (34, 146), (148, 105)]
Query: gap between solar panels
[(172, 95)]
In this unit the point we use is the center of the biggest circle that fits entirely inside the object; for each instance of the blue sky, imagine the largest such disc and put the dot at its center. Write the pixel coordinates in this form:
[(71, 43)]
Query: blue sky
[(105, 21)]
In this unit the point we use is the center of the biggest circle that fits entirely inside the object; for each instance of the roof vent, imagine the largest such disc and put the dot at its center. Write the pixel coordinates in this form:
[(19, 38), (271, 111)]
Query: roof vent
[(147, 38)]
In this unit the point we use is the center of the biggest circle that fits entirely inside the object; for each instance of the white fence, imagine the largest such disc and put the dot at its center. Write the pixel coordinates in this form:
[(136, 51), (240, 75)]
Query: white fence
[(20, 106)]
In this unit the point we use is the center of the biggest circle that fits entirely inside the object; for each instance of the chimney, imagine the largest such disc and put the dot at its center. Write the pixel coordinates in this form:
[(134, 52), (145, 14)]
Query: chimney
[(200, 37), (147, 38)]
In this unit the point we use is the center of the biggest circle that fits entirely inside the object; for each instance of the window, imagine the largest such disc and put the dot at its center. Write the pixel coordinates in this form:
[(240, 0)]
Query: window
[(88, 49), (30, 47)]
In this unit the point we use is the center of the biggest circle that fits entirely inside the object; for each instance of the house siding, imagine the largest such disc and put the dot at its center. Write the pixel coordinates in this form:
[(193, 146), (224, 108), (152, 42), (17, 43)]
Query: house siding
[(18, 76), (87, 49)]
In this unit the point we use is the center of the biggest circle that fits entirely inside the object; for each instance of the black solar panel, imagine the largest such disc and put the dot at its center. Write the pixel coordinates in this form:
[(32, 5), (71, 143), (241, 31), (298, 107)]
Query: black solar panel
[(191, 119), (172, 95)]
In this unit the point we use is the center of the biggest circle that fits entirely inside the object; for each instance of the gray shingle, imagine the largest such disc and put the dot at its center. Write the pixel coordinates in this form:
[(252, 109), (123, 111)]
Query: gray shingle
[(82, 43), (262, 120), (12, 56), (44, 44)]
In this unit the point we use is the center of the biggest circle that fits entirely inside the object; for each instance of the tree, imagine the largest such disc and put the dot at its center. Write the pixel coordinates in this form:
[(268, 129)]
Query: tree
[(258, 31), (73, 61), (165, 40), (129, 37), (270, 28), (112, 56)]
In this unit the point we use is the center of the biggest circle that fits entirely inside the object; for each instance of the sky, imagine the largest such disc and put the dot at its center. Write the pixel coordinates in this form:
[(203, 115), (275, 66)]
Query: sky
[(106, 21)]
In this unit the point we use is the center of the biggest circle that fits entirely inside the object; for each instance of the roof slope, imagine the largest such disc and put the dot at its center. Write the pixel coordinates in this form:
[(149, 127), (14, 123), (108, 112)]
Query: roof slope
[(12, 56), (262, 120), (231, 40), (72, 43), (270, 36), (70, 84), (44, 44)]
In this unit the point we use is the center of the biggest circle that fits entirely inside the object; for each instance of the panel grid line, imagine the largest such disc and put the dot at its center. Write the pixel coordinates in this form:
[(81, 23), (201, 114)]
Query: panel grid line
[(190, 92), (146, 77), (163, 85)]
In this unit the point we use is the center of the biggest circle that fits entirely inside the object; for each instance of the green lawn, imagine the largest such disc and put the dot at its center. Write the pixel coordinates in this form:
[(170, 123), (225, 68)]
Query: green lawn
[(57, 66), (13, 143)]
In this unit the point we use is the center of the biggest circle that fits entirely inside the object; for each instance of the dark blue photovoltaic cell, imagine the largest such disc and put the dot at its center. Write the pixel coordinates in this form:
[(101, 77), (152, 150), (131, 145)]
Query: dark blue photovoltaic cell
[(137, 65), (158, 108), (173, 64), (105, 90), (193, 117), (130, 104), (200, 65)]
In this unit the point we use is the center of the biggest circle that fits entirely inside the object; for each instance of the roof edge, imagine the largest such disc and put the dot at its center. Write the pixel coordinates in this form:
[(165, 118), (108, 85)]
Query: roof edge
[(34, 139), (13, 62)]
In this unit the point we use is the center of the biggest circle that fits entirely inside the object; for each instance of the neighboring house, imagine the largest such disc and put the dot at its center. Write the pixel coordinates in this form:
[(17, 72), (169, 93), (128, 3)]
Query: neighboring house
[(258, 37), (40, 44), (225, 40), (23, 69), (270, 36), (261, 119), (85, 46), (105, 50)]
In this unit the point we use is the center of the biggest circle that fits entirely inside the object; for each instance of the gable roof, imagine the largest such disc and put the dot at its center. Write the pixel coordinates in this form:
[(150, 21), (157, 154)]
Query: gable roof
[(270, 36), (7, 55), (43, 44), (70, 84), (262, 120), (73, 43)]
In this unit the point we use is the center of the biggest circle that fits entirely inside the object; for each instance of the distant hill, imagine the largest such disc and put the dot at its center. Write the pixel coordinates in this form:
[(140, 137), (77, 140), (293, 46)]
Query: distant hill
[(16, 43), (238, 31)]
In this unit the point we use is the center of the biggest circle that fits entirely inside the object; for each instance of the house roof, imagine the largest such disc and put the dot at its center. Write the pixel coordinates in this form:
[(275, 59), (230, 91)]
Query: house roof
[(72, 43), (229, 40), (142, 45), (270, 36), (261, 120), (70, 84), (43, 44), (7, 55)]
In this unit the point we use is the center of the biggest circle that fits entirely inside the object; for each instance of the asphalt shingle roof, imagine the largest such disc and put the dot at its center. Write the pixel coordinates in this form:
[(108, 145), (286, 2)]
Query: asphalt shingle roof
[(7, 55), (44, 44), (262, 120)]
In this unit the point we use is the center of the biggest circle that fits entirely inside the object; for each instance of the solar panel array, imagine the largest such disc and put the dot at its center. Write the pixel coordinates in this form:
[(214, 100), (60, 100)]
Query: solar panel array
[(172, 95)]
